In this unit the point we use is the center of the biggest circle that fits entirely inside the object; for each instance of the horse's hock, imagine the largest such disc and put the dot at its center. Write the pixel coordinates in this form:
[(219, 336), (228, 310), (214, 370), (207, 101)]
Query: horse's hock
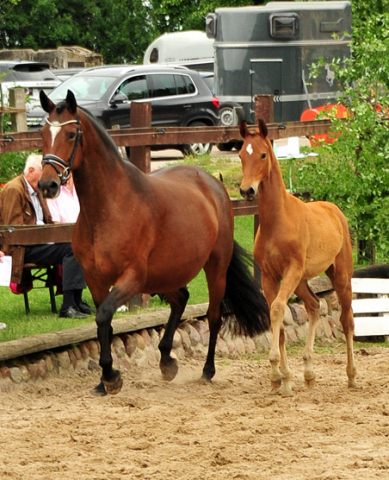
[(140, 348)]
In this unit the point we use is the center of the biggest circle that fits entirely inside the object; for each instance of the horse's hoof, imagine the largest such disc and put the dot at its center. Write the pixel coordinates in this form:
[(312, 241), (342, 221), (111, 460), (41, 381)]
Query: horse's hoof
[(206, 378), (275, 384), (169, 369), (310, 382), (114, 385), (286, 391), (99, 390), (352, 384)]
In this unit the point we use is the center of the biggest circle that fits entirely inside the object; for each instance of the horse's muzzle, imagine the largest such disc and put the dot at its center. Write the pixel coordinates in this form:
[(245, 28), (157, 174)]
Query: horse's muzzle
[(248, 194), (49, 189)]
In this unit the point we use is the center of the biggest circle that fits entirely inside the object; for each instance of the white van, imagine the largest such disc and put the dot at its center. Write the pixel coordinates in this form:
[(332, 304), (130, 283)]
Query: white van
[(191, 48)]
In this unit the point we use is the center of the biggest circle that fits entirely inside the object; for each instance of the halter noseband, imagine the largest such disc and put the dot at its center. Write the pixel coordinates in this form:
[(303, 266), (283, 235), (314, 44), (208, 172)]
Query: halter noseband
[(55, 161)]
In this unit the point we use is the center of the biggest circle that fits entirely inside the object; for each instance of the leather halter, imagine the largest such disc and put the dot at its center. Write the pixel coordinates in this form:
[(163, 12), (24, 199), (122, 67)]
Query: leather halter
[(55, 162)]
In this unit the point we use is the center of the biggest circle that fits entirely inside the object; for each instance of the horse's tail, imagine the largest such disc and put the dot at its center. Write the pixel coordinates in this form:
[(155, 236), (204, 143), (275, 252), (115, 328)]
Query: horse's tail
[(380, 270), (244, 307)]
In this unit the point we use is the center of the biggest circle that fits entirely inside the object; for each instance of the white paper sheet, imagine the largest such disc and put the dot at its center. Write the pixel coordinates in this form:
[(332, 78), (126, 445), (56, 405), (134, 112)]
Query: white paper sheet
[(5, 271)]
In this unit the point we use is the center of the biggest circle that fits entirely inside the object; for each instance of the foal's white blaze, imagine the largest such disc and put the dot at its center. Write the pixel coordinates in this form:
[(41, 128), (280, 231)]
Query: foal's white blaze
[(249, 149), (54, 130)]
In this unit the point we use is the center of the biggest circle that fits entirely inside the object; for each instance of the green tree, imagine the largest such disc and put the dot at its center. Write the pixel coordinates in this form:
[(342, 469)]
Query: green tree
[(119, 29), (354, 173)]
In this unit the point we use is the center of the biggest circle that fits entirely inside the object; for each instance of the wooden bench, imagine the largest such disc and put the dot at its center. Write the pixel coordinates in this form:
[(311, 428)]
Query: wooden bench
[(15, 238), (371, 312)]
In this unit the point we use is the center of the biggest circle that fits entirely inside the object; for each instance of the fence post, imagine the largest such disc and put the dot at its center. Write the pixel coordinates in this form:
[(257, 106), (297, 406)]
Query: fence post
[(141, 117), (17, 99)]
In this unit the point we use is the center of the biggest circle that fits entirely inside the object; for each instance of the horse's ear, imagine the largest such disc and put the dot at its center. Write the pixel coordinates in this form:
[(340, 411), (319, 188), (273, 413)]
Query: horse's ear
[(71, 102), (243, 130), (47, 105), (262, 128)]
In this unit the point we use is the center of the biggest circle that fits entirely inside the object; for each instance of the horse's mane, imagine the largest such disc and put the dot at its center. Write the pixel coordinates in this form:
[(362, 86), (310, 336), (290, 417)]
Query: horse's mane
[(105, 138)]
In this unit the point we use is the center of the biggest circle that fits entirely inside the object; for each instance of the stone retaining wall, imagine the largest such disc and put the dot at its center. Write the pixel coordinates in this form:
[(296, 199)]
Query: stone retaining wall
[(140, 348)]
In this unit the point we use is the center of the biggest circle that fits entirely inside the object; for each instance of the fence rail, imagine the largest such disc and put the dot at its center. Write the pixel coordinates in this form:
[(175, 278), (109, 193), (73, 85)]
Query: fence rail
[(150, 136)]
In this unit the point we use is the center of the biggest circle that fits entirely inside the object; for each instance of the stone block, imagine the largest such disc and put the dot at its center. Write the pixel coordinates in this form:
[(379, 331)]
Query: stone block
[(323, 307), (177, 341), (154, 338), (63, 360), (291, 336), (118, 346), (221, 346), (288, 317), (16, 374), (129, 343), (140, 343), (146, 337), (185, 339)]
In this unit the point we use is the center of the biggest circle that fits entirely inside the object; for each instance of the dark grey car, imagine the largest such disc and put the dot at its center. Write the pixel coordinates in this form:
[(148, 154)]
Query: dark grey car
[(178, 97)]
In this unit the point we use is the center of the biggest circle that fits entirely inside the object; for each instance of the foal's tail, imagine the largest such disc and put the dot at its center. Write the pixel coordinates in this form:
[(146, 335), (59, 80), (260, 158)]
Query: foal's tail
[(244, 307)]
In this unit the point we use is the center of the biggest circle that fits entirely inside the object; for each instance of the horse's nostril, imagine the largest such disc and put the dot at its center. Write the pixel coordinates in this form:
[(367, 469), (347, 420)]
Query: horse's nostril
[(250, 192)]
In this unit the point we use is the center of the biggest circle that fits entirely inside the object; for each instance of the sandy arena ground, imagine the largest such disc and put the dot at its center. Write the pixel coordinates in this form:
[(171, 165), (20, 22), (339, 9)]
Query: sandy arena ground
[(234, 428)]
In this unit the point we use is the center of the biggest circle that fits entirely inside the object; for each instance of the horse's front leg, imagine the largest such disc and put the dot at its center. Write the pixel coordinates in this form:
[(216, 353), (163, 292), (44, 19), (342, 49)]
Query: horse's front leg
[(277, 297), (121, 293), (111, 381)]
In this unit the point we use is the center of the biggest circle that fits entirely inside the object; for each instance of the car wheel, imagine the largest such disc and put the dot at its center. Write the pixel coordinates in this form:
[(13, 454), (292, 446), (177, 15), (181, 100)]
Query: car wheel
[(197, 149), (230, 114)]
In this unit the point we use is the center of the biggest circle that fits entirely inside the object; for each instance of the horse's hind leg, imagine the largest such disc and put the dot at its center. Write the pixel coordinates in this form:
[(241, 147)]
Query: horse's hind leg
[(342, 285), (177, 301), (216, 288), (312, 305)]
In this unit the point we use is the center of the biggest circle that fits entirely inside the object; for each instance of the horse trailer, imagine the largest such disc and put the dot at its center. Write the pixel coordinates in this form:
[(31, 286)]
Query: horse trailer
[(269, 50)]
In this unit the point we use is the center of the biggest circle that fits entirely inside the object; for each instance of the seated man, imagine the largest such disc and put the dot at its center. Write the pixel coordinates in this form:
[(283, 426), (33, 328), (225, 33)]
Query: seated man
[(21, 203)]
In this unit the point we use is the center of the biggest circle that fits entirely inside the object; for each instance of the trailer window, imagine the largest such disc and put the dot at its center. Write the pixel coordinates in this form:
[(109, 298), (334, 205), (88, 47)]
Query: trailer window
[(284, 25)]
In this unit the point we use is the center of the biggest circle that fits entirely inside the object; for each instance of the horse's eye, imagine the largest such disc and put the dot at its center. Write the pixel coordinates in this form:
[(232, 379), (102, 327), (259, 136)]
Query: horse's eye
[(71, 135), (263, 156)]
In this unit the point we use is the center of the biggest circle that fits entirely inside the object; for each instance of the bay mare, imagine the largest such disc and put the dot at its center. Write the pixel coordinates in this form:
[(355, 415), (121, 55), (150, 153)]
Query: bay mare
[(296, 241), (139, 233)]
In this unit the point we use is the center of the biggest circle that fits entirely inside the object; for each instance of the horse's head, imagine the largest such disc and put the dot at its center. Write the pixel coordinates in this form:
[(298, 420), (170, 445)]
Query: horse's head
[(61, 137), (255, 156)]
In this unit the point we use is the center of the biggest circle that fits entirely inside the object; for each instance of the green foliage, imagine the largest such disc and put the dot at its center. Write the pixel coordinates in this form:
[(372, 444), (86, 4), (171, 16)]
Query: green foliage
[(354, 171), (11, 165), (119, 30)]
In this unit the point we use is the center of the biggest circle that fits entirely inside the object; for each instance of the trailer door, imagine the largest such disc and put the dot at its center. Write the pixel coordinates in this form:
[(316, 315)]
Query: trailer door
[(266, 79)]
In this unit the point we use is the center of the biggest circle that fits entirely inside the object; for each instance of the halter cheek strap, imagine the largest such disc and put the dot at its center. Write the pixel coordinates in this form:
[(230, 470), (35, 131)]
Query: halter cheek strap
[(55, 162)]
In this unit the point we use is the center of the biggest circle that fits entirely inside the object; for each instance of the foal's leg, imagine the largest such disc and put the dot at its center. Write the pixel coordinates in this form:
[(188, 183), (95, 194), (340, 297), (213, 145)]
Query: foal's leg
[(312, 305), (177, 301), (341, 282), (277, 297)]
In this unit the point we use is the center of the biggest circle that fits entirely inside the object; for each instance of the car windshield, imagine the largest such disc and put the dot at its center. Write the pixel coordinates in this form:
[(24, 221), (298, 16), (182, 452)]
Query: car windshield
[(26, 73), (84, 87)]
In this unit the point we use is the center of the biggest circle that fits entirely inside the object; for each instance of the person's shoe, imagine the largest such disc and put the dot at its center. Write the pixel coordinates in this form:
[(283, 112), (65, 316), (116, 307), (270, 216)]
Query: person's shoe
[(85, 308), (71, 312), (3, 326)]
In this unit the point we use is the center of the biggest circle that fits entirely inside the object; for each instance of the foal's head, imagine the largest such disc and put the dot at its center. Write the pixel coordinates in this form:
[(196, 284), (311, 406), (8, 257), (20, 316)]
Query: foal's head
[(255, 155), (62, 136)]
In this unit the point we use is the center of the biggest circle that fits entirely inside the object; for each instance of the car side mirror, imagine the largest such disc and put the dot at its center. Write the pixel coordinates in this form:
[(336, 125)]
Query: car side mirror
[(119, 98)]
